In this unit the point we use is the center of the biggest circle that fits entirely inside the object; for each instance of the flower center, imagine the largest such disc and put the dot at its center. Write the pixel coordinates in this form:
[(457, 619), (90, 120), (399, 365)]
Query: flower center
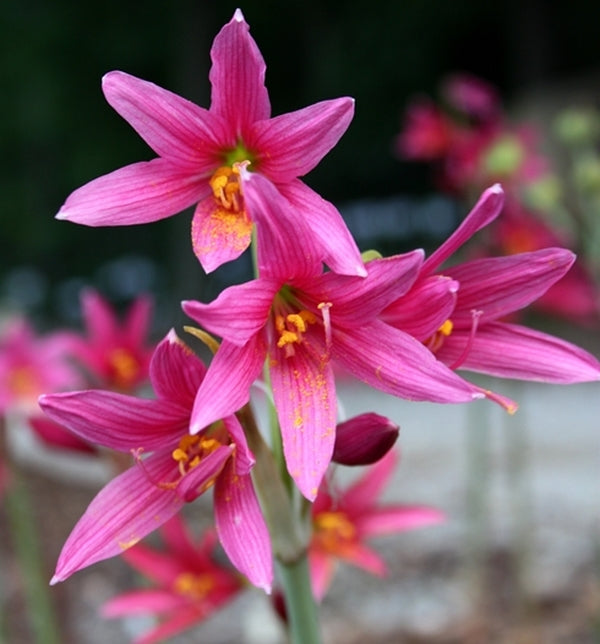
[(227, 189), (192, 449), (23, 383), (333, 530), (193, 586), (291, 328), (434, 343), (124, 368)]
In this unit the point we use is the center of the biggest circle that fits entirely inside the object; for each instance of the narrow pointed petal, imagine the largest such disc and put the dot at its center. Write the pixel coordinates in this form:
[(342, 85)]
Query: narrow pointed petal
[(484, 212), (285, 248), (244, 458), (137, 320), (202, 476), (387, 280), (136, 194), (115, 420), (242, 529), (160, 567), (322, 568), (394, 362), (123, 512), (226, 387), (237, 77), (295, 142), (424, 308), (513, 351), (391, 519), (172, 126), (365, 491), (361, 556), (238, 313), (304, 393), (218, 235), (498, 286), (338, 248), (99, 318), (149, 601), (175, 371)]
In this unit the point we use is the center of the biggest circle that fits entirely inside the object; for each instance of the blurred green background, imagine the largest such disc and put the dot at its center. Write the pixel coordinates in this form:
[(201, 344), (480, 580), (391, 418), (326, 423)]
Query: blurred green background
[(58, 132)]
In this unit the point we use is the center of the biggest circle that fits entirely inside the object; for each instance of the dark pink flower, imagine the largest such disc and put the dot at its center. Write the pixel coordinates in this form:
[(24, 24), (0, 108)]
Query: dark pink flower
[(189, 584), (199, 152), (172, 467), (344, 520)]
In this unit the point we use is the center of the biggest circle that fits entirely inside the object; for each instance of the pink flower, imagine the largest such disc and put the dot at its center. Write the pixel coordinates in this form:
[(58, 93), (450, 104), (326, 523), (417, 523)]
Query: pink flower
[(31, 365), (189, 584), (343, 521), (303, 324), (199, 152), (469, 332), (116, 355), (179, 467)]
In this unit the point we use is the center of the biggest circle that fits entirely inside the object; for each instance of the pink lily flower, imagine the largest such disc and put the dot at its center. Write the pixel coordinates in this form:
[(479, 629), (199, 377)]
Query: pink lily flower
[(199, 152), (189, 583), (303, 324), (343, 521), (179, 467), (32, 364), (115, 355), (471, 334)]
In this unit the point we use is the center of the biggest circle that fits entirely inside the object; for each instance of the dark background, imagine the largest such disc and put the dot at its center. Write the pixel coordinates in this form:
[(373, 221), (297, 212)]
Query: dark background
[(58, 132)]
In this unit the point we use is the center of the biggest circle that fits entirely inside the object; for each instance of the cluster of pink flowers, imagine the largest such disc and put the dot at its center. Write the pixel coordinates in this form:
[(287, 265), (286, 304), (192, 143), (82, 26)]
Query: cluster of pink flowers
[(471, 144), (402, 324)]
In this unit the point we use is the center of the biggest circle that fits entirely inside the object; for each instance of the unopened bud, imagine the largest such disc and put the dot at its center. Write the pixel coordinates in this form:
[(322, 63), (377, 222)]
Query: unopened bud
[(364, 439)]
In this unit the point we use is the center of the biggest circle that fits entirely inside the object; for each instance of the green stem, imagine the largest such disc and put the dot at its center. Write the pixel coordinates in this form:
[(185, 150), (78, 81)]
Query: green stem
[(26, 544), (301, 608)]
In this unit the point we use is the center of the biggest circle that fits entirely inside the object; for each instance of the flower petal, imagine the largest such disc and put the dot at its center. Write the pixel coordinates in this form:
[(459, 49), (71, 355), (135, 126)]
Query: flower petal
[(498, 286), (322, 568), (237, 77), (424, 308), (137, 321), (328, 229), (201, 477), (242, 529), (136, 194), (304, 394), (226, 387), (218, 235), (145, 601), (238, 313), (484, 212), (396, 363), (292, 144), (172, 126), (98, 317), (365, 491), (513, 351), (175, 371), (397, 518), (123, 512), (115, 420)]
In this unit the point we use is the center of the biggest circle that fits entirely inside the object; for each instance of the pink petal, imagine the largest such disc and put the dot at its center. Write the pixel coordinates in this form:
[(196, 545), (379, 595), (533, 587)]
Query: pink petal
[(176, 623), (292, 144), (115, 420), (357, 300), (219, 235), (498, 286), (424, 308), (175, 371), (361, 556), (136, 194), (484, 212), (328, 229), (304, 394), (285, 248), (322, 568), (146, 601), (226, 387), (242, 529), (137, 321), (99, 318), (123, 512), (159, 566), (238, 313), (237, 76), (201, 477), (396, 363), (512, 351), (176, 129), (56, 435), (365, 491), (244, 459), (390, 519)]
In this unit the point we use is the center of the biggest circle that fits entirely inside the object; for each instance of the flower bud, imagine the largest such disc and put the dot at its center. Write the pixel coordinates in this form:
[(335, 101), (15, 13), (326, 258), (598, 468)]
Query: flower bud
[(364, 439)]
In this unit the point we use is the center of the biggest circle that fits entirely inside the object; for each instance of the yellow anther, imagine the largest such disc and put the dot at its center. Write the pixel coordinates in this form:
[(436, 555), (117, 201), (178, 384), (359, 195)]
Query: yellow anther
[(297, 321), (191, 451), (287, 337), (191, 585), (179, 455), (226, 188), (334, 529), (446, 328)]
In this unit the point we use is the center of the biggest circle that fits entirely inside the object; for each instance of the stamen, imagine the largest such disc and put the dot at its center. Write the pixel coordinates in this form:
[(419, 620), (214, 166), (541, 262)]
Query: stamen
[(227, 188), (124, 366), (191, 585), (475, 315), (334, 529), (291, 329), (324, 308), (435, 342)]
